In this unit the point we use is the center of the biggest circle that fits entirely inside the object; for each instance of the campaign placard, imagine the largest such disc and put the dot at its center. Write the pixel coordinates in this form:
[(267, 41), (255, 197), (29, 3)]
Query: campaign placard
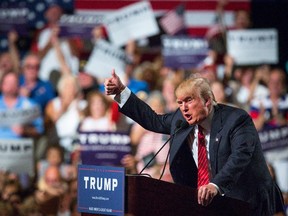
[(183, 51), (10, 117), (101, 190), (132, 22), (104, 58), (14, 17), (274, 138), (78, 25), (104, 148), (16, 155), (252, 47)]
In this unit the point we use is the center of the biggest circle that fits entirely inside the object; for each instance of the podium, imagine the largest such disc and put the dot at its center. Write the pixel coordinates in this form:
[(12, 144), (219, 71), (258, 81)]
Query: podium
[(146, 196)]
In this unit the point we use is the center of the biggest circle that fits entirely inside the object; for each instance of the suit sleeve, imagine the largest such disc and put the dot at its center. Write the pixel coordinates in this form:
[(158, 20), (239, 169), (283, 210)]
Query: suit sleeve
[(140, 112)]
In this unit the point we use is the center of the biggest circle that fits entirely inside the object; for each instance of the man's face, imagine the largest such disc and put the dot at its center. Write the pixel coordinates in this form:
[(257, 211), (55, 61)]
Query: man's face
[(194, 109), (31, 68), (10, 85)]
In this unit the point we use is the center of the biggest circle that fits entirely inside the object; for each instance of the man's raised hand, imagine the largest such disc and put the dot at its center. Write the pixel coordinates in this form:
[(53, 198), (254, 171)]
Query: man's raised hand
[(113, 85)]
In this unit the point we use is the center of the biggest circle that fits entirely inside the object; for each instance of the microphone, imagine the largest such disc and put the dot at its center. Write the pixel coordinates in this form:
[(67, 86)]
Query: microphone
[(179, 125)]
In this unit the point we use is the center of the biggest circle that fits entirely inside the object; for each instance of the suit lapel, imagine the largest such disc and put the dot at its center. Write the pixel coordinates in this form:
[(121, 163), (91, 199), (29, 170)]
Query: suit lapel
[(215, 137), (179, 139)]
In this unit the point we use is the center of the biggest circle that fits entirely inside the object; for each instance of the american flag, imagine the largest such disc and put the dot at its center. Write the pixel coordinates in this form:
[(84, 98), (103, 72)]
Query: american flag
[(199, 14), (173, 21)]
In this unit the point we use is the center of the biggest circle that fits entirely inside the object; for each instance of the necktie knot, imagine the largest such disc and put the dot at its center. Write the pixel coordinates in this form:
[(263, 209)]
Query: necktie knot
[(201, 136)]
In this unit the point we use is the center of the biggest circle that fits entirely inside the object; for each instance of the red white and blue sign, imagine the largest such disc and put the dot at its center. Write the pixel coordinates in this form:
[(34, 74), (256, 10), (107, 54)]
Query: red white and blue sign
[(101, 189)]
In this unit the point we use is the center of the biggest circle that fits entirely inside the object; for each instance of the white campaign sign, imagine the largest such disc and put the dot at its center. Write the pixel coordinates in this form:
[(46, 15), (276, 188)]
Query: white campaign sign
[(19, 116), (255, 46), (103, 59), (16, 155), (133, 22)]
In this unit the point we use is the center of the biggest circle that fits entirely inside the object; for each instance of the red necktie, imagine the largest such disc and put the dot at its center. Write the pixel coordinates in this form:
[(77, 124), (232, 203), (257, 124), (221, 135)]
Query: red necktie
[(203, 170)]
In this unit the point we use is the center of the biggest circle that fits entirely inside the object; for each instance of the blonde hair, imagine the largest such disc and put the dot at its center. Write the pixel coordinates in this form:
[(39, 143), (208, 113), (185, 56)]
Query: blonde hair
[(66, 78), (196, 85)]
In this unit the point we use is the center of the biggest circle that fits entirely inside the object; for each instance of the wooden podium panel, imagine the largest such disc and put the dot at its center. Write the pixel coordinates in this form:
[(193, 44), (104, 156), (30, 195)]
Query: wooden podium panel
[(146, 196)]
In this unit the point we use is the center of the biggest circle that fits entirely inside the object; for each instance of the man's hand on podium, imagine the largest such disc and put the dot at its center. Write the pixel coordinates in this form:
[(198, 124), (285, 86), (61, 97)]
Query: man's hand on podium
[(206, 193)]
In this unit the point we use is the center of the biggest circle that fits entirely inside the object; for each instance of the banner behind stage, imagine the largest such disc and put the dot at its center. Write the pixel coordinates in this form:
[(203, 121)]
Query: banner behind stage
[(104, 148)]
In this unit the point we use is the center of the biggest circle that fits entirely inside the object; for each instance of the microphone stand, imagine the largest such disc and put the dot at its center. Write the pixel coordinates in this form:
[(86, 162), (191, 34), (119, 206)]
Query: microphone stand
[(179, 125)]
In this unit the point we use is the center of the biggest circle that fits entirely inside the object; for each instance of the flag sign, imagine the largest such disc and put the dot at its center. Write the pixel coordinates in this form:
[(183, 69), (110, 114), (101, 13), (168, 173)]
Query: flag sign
[(173, 21)]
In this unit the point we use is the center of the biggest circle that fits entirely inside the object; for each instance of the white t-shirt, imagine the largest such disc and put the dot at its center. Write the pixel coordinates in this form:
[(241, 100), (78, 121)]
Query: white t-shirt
[(50, 61)]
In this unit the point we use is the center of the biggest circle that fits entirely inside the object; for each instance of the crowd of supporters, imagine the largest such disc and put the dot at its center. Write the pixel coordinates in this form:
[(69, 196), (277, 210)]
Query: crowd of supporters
[(50, 75)]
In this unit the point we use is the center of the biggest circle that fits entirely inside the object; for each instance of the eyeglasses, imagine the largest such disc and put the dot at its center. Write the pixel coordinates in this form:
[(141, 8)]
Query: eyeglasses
[(32, 66)]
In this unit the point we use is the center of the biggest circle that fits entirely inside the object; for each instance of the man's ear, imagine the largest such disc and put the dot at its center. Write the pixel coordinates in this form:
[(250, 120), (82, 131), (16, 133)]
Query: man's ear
[(208, 102)]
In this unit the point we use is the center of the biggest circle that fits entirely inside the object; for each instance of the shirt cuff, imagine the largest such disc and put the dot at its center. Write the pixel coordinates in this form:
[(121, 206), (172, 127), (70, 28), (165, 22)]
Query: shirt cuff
[(218, 189), (122, 98)]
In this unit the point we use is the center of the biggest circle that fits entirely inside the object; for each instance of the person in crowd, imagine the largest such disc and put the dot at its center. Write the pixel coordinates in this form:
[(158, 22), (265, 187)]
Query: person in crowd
[(43, 45), (248, 89), (97, 114), (51, 190), (10, 187), (147, 144), (168, 87), (30, 207), (216, 34), (66, 109), (55, 157), (218, 90), (9, 60), (12, 194), (271, 111), (235, 165), (12, 100), (31, 85), (6, 208)]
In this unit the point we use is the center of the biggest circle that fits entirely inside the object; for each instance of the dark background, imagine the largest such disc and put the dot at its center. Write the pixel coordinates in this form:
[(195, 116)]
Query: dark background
[(273, 14)]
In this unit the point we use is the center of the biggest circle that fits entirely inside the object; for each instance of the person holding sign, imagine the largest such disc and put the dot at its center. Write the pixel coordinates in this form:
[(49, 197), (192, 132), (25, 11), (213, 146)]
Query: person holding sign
[(234, 165), (271, 111), (20, 116)]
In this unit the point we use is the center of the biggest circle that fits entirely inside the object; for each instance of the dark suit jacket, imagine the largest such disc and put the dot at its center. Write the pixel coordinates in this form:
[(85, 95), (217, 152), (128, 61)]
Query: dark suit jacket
[(237, 162)]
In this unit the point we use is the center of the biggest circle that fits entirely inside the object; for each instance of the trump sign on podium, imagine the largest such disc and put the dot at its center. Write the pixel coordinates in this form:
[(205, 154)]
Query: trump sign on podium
[(101, 189)]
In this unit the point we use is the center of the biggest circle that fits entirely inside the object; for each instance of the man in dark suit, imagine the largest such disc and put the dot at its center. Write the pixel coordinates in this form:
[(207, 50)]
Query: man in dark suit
[(237, 167)]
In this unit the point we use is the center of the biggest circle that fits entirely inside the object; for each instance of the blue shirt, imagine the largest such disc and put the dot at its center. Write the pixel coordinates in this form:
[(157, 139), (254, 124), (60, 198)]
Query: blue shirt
[(6, 132), (42, 92)]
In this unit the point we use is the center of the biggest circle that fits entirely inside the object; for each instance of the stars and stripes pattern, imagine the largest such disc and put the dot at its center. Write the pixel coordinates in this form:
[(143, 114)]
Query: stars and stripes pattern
[(173, 21)]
